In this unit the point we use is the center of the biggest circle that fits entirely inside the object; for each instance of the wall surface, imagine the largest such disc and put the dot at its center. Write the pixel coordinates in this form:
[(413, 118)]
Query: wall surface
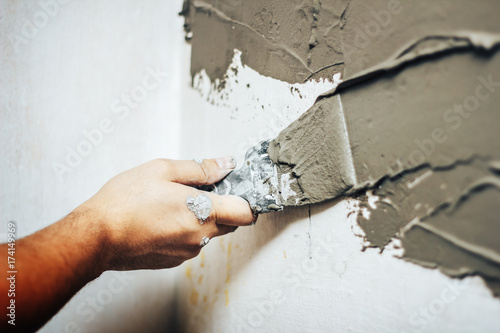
[(73, 66), (418, 160), (80, 104), (303, 269)]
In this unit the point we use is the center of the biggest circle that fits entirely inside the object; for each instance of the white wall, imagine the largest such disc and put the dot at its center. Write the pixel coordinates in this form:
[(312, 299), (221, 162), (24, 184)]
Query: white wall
[(62, 79), (295, 271)]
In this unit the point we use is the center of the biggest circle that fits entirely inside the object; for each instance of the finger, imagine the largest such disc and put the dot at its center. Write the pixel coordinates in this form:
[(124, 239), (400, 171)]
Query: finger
[(192, 173), (210, 229), (231, 210), (221, 229), (206, 238), (216, 215)]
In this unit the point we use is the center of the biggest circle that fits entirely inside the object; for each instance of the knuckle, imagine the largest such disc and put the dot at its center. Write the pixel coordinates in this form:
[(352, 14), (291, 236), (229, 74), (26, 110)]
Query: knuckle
[(161, 164), (193, 246), (214, 216), (204, 173), (191, 233), (193, 237)]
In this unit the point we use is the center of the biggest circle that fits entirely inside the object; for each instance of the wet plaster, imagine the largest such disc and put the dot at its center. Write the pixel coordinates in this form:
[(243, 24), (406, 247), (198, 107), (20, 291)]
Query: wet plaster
[(415, 119), (291, 41), (201, 206), (299, 152)]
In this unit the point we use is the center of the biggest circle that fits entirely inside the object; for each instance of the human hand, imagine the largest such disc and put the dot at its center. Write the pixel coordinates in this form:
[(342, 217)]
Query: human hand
[(145, 217)]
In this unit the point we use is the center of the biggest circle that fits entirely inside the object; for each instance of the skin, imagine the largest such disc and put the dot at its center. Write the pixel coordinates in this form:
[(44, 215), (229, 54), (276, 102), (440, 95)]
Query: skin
[(138, 220)]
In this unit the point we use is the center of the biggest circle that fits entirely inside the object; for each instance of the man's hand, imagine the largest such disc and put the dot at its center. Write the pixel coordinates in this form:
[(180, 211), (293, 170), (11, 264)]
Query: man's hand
[(144, 214), (138, 220)]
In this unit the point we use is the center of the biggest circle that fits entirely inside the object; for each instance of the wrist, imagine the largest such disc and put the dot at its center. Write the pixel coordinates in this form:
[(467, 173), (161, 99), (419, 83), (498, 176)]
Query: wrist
[(93, 237)]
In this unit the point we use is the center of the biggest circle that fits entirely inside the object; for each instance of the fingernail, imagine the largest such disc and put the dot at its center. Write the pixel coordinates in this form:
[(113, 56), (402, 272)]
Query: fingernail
[(226, 163)]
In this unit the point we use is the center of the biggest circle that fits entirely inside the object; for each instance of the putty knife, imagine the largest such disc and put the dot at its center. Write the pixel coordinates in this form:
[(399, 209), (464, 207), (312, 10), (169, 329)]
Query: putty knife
[(310, 162), (256, 181)]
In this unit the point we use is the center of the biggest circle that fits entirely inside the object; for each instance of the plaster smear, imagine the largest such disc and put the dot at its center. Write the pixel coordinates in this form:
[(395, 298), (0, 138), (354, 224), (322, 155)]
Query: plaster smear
[(421, 157), (239, 80), (296, 41), (415, 120), (275, 37), (201, 206)]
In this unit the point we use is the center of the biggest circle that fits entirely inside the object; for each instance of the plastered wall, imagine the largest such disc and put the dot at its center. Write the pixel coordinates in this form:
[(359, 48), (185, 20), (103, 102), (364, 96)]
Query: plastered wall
[(408, 132), (304, 269), (300, 270)]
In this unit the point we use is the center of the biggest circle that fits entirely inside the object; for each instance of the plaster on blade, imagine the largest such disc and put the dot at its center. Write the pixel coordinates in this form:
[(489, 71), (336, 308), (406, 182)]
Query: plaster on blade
[(293, 180)]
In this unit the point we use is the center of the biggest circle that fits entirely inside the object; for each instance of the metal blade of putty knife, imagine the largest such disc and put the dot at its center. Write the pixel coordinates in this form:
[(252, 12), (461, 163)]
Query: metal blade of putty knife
[(256, 181)]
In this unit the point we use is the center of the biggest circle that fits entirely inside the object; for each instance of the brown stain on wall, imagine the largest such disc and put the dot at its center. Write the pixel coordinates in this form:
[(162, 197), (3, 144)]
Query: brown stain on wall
[(202, 258), (228, 264), (193, 299), (416, 118)]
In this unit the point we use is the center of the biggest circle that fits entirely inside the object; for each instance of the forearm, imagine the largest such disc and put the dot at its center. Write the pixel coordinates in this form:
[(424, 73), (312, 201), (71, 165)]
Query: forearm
[(52, 265)]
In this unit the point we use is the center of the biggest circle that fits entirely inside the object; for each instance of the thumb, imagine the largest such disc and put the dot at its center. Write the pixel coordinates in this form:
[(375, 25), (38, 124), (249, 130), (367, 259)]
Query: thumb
[(193, 173)]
